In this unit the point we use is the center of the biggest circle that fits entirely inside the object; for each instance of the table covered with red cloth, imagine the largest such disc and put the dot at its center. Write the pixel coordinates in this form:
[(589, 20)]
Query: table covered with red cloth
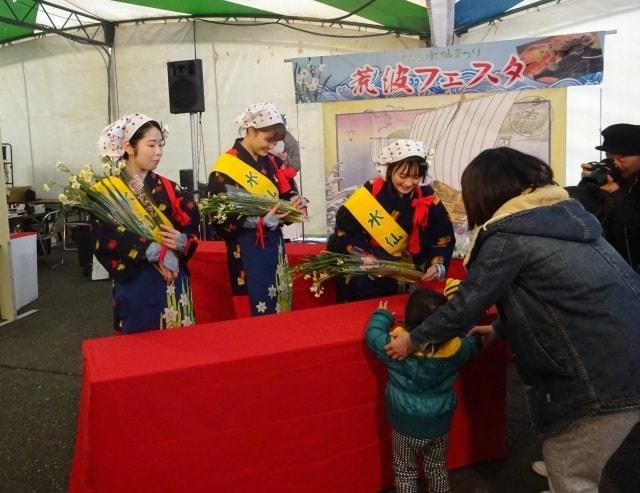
[(288, 403), (211, 288), (212, 297)]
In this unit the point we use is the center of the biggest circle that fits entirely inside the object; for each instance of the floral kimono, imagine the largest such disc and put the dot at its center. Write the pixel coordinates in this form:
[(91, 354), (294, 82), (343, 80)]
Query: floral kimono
[(142, 300), (428, 242), (252, 253)]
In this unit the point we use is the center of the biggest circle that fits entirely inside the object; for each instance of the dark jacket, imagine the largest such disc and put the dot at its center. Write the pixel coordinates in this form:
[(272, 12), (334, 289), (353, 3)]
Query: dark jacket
[(623, 230), (419, 394), (568, 303)]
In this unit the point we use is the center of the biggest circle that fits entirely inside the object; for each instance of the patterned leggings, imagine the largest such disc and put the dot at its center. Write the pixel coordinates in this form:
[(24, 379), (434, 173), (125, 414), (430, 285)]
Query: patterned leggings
[(407, 450)]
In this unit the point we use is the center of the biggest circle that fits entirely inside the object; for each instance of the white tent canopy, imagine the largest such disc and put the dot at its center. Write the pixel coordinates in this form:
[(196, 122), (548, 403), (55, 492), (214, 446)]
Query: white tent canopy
[(54, 94)]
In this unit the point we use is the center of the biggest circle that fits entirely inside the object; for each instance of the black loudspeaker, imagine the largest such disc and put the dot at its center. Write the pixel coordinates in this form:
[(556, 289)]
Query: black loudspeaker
[(186, 89), (186, 179)]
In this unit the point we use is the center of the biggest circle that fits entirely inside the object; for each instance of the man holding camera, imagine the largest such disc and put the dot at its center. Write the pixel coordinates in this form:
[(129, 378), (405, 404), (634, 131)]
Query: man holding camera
[(618, 175)]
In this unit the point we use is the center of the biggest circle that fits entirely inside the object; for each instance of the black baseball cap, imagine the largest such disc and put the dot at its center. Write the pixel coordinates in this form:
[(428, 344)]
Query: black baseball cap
[(621, 138)]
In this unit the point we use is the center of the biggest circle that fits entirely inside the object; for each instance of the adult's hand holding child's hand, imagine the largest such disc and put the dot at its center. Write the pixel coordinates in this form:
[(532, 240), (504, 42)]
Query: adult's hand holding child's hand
[(400, 346)]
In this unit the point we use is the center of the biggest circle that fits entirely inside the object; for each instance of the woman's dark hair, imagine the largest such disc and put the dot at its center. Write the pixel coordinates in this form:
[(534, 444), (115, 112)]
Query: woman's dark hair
[(278, 129), (421, 304), (408, 164), (138, 134), (496, 175)]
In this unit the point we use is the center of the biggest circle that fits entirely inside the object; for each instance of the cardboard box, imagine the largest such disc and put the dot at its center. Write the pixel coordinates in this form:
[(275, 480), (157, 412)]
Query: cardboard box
[(16, 194)]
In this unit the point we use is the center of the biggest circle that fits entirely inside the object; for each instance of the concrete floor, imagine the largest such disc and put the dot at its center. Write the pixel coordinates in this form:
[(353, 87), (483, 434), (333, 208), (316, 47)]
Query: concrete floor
[(40, 365)]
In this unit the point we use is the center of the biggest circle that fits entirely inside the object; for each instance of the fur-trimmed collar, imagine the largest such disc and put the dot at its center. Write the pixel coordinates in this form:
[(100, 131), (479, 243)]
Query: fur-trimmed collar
[(540, 197)]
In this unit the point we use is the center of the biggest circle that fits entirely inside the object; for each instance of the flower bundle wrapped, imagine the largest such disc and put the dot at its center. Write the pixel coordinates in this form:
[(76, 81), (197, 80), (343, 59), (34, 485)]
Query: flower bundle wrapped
[(114, 198), (319, 268), (238, 203)]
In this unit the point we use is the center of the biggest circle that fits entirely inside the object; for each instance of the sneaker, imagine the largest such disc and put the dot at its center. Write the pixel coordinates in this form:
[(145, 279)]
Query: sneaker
[(539, 468)]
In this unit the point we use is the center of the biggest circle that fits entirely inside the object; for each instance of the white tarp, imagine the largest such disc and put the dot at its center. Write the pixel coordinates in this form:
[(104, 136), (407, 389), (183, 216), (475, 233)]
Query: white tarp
[(53, 94)]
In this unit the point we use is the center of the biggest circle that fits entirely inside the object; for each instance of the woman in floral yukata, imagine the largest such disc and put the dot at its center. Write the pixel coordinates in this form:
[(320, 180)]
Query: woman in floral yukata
[(151, 286), (254, 243), (394, 218)]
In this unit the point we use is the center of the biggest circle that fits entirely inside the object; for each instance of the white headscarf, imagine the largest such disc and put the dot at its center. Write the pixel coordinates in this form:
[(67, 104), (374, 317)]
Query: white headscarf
[(259, 115), (401, 149), (112, 138)]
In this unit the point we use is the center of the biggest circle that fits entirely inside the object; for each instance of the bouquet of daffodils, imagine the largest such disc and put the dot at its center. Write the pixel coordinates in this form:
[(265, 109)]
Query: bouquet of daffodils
[(112, 197), (238, 203), (319, 268)]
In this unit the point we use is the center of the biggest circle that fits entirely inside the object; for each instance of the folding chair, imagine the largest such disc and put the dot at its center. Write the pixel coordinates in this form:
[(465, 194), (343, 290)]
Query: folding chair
[(46, 230)]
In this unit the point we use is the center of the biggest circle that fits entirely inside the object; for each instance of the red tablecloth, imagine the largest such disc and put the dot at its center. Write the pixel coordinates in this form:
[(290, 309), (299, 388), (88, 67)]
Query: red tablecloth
[(286, 403), (212, 297), (212, 291)]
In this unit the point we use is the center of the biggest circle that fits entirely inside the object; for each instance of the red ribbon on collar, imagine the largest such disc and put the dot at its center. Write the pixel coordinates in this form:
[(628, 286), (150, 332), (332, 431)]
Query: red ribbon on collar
[(176, 203), (260, 232), (283, 175), (420, 219)]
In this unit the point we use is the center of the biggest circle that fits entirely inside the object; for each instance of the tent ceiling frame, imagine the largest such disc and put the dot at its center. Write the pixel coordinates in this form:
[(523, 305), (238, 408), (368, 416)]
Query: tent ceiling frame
[(252, 19), (492, 19), (88, 29)]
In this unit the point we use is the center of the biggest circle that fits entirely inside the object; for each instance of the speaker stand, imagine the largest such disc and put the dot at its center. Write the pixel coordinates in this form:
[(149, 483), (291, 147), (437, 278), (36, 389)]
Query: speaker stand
[(195, 163)]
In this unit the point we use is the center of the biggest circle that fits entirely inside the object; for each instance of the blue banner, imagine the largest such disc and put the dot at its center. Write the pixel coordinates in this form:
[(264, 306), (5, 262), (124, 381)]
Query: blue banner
[(533, 63)]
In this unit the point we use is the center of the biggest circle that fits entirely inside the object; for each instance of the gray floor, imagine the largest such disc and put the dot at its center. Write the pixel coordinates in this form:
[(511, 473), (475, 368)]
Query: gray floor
[(40, 364)]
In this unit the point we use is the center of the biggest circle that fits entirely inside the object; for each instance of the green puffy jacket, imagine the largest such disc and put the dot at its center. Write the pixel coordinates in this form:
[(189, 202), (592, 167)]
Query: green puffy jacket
[(419, 394)]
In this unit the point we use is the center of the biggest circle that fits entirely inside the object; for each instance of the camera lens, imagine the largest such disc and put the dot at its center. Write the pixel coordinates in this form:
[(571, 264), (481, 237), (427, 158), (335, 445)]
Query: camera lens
[(600, 170)]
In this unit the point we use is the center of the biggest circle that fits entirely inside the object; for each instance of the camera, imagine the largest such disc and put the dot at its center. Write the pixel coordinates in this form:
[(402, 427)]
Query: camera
[(600, 170)]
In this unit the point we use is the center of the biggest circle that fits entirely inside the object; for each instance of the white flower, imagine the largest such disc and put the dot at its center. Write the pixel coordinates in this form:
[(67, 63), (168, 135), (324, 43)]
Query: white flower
[(61, 166), (312, 85), (171, 289), (278, 308), (186, 322), (184, 299), (261, 307), (272, 291), (86, 174), (170, 315), (63, 198), (46, 188)]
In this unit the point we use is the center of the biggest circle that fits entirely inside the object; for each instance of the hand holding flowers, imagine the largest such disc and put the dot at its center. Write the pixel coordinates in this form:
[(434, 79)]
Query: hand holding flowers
[(237, 203), (319, 268)]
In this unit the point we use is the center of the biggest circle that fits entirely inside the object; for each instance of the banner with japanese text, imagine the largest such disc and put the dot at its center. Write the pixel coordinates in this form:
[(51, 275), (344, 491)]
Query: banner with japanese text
[(533, 63)]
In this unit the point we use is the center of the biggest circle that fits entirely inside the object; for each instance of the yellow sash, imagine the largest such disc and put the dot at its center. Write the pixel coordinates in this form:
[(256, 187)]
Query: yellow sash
[(377, 221), (113, 186), (247, 177)]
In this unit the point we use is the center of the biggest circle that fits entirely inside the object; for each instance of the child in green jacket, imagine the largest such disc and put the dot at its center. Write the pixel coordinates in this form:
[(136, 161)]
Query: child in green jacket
[(419, 394)]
